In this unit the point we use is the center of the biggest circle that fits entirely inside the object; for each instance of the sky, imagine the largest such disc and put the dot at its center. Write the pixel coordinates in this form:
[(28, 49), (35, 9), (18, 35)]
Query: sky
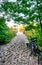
[(12, 0), (8, 0), (10, 24)]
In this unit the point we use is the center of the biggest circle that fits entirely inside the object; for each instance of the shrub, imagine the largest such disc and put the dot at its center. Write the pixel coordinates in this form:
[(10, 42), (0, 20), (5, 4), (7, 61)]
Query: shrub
[(5, 33)]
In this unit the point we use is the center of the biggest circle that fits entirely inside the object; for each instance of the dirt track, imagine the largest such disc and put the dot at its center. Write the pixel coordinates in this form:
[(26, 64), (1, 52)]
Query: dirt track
[(16, 52)]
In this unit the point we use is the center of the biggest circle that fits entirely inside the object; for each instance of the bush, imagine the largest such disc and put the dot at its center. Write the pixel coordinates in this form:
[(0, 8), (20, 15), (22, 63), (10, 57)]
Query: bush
[(6, 37), (31, 34), (5, 33)]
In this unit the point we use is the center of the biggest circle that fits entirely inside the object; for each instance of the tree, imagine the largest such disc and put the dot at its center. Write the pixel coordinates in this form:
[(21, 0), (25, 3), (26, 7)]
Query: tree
[(23, 11)]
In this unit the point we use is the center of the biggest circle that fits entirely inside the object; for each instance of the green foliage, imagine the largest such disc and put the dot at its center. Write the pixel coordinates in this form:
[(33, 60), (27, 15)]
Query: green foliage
[(32, 10), (5, 33), (29, 27), (36, 33)]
